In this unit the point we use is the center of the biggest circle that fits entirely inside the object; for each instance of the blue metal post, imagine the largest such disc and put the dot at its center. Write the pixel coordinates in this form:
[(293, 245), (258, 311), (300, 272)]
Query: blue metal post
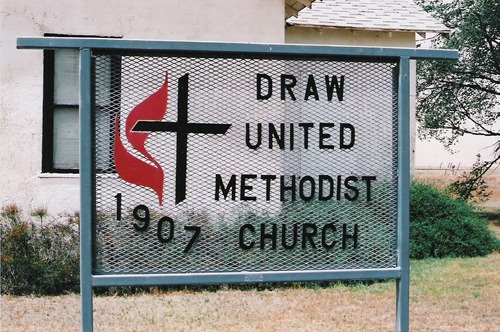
[(403, 284), (86, 201)]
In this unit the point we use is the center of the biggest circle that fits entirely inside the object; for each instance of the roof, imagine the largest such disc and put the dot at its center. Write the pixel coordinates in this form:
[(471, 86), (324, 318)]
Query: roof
[(378, 15), (292, 7)]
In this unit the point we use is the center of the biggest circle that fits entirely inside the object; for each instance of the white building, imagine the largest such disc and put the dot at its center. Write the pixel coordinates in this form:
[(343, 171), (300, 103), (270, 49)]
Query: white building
[(39, 99)]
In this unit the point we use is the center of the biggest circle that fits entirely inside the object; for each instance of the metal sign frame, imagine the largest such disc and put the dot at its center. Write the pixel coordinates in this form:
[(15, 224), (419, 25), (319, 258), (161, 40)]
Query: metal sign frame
[(89, 45)]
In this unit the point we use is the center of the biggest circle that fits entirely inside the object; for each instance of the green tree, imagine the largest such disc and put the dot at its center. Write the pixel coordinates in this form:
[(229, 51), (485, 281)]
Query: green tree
[(462, 98)]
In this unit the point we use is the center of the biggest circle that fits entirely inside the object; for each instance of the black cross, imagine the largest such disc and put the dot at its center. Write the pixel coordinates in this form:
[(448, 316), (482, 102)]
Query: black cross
[(182, 127)]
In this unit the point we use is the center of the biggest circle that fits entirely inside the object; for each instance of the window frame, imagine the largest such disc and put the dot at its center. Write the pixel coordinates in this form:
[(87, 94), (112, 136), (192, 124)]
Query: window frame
[(49, 108)]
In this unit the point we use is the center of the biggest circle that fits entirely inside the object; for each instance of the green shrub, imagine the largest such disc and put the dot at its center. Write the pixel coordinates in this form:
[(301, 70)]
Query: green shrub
[(441, 226), (42, 260)]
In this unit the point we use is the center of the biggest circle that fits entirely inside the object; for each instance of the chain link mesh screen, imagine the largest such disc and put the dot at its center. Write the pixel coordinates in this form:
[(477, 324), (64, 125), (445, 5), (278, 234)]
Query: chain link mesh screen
[(228, 164)]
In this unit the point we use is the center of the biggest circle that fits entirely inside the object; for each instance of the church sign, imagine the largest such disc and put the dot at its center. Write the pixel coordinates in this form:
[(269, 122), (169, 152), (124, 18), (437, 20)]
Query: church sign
[(227, 164), (221, 163)]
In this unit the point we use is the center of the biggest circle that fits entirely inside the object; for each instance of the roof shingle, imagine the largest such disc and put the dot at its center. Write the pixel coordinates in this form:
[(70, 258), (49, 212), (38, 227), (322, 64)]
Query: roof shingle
[(399, 15)]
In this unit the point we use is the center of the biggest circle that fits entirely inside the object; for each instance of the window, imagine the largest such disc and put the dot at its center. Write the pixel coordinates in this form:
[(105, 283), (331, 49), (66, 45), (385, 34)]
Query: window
[(60, 122), (61, 109)]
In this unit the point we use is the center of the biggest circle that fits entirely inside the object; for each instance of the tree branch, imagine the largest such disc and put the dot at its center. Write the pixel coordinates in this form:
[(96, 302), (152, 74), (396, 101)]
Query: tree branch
[(489, 41), (448, 83), (488, 133), (479, 76)]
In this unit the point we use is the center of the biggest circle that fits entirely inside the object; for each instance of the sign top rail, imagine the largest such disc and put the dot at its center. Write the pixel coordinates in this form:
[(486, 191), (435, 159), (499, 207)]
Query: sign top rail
[(231, 48)]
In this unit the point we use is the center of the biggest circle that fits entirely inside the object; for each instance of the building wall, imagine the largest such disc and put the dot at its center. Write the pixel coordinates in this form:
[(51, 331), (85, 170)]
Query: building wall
[(21, 71), (302, 35)]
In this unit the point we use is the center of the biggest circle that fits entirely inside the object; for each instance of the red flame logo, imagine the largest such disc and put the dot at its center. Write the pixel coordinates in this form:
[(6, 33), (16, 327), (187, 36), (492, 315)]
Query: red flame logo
[(129, 167)]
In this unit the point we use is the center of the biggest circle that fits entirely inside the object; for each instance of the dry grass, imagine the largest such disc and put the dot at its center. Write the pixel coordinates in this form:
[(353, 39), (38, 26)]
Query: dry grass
[(446, 295)]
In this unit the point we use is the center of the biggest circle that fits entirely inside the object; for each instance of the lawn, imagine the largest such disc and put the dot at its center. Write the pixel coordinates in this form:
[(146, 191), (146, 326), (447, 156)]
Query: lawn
[(460, 294)]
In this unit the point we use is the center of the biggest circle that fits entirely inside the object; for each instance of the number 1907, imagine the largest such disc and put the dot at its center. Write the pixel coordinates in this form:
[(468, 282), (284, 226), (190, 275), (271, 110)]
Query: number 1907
[(165, 228)]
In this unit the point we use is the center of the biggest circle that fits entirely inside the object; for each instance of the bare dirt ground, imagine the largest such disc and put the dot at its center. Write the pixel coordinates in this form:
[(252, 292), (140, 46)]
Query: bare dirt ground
[(442, 177), (446, 295)]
